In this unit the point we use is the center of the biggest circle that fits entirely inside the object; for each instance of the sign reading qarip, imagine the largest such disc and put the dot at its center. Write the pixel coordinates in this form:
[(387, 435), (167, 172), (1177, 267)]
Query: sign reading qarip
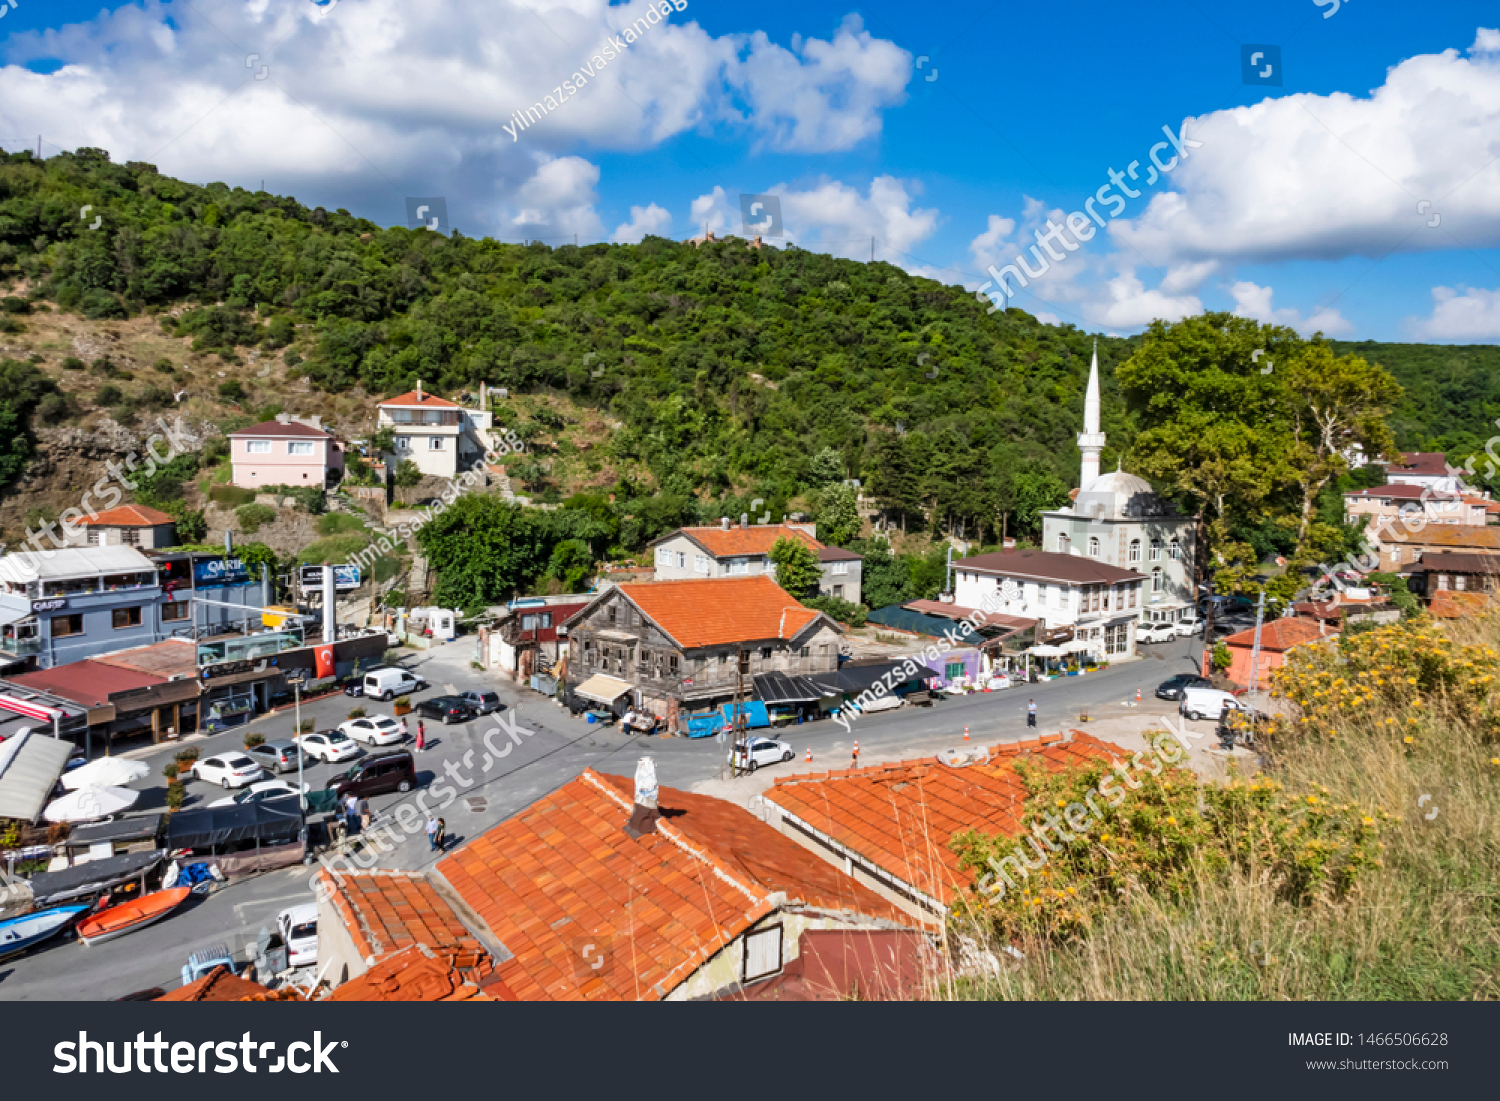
[(344, 578), (219, 573)]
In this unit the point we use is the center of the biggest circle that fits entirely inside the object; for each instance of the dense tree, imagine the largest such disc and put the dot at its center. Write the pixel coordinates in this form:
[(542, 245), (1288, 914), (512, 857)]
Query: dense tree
[(797, 568), (838, 515)]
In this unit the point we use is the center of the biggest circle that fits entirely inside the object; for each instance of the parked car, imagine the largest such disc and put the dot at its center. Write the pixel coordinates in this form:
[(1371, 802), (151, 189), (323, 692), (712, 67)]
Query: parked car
[(447, 709), (280, 755), (484, 702), (1188, 626), (228, 770), (377, 774), (757, 751), (374, 730), (259, 793), (1156, 632), (1174, 686), (387, 684), (329, 745), (1207, 703), (298, 926)]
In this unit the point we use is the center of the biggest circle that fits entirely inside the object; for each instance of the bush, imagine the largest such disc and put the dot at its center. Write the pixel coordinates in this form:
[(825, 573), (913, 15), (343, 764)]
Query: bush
[(164, 366), (841, 610), (176, 795), (72, 363), (253, 739), (186, 755), (339, 523), (171, 769), (192, 527), (307, 726), (231, 496), (357, 712), (251, 517), (408, 474), (109, 395), (402, 701), (232, 391)]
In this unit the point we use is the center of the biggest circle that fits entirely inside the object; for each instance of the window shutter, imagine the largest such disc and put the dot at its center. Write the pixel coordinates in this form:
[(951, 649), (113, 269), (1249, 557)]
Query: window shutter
[(762, 954)]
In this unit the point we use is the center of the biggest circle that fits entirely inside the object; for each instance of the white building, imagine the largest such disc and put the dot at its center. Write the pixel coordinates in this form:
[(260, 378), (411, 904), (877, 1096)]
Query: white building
[(1118, 520), (441, 437)]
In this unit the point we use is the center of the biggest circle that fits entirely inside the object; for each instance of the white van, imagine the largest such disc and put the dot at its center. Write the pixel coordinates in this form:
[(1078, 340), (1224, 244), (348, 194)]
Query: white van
[(387, 684), (1207, 703)]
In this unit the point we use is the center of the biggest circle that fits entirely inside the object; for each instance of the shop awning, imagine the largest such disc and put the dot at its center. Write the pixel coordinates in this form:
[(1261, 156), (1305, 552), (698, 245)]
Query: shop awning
[(270, 821), (602, 689), (30, 763), (13, 615), (1043, 650), (83, 880), (856, 678), (29, 708), (783, 688)]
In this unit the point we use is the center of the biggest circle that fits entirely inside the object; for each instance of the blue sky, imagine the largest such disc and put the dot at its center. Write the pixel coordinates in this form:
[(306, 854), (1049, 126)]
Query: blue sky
[(948, 134)]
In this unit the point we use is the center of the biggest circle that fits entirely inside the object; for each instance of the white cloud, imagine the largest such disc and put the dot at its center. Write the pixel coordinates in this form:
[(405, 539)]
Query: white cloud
[(986, 248), (643, 220), (561, 197), (1472, 313), (1128, 304), (1254, 301), (1324, 177), (361, 104)]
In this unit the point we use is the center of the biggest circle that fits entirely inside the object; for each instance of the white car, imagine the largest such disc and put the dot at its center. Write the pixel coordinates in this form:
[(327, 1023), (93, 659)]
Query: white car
[(757, 751), (260, 792), (1156, 632), (1189, 626), (329, 745), (375, 730), (298, 927), (228, 770)]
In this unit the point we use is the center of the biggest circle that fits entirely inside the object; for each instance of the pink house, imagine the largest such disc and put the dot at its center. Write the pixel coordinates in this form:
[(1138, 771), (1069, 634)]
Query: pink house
[(286, 451)]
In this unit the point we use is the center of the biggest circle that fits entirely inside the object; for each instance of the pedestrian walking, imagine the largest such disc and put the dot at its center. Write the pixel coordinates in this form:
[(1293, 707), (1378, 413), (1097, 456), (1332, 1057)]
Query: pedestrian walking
[(403, 729), (442, 835), (433, 825), (364, 814), (1031, 712), (421, 735)]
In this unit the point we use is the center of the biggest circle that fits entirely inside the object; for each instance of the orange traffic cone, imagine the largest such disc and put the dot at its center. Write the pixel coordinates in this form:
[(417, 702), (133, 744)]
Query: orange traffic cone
[(966, 733), (1137, 695), (856, 751), (809, 754)]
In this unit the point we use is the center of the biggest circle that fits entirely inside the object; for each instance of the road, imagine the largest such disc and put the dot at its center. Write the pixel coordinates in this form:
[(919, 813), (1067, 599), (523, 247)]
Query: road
[(478, 774)]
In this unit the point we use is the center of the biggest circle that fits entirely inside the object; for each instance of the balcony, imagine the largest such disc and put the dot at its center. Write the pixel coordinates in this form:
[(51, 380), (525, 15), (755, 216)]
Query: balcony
[(21, 647)]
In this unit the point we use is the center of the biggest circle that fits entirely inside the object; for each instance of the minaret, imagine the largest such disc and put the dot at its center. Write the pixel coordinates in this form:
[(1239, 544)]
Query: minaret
[(1091, 439)]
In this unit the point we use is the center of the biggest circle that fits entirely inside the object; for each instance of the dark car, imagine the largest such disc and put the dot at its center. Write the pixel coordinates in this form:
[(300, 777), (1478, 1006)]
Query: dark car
[(1174, 687), (280, 755), (377, 774), (447, 709), (484, 702)]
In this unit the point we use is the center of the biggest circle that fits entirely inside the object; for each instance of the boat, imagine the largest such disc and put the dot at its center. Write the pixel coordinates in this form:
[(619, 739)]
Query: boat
[(127, 917), (27, 931)]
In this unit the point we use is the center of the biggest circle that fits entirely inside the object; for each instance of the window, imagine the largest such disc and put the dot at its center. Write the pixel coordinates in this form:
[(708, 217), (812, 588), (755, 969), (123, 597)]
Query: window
[(704, 564), (838, 592), (803, 651), (682, 560), (1093, 546), (739, 566), (130, 537), (300, 447), (1156, 580), (176, 610), (257, 447), (611, 615), (953, 670), (1135, 550), (1174, 548), (1117, 638), (434, 443), (1062, 543), (64, 625), (1156, 550), (765, 653), (840, 568), (1133, 588), (663, 556), (126, 617), (403, 443), (535, 622), (672, 664), (762, 954), (1460, 582)]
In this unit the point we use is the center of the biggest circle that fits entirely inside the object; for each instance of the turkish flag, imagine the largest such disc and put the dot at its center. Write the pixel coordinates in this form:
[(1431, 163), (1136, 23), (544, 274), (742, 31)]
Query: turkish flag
[(325, 661)]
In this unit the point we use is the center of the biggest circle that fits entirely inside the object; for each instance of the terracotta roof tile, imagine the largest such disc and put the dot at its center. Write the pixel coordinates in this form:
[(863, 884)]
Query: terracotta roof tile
[(1445, 535), (127, 516), (1048, 566), (426, 401), (900, 817), (1280, 635), (755, 539), (712, 611), (86, 682), (659, 904), (386, 912), (418, 973), (1448, 604), (219, 985)]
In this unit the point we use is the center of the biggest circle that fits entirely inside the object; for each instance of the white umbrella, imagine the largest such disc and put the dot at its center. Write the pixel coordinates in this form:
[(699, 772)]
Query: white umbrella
[(1043, 650), (90, 803), (106, 772)]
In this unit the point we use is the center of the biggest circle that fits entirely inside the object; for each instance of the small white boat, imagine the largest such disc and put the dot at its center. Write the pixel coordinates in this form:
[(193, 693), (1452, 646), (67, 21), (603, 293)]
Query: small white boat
[(27, 931)]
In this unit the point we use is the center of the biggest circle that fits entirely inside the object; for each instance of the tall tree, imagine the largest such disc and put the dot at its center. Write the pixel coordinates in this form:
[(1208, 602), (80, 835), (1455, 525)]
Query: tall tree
[(797, 567), (838, 515)]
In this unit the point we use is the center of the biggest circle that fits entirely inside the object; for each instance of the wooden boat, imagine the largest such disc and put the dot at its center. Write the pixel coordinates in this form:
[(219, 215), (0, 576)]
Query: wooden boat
[(127, 917), (27, 931)]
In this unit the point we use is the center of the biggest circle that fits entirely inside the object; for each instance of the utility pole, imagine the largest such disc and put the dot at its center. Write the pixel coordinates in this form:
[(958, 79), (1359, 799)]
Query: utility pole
[(1260, 615), (297, 734)]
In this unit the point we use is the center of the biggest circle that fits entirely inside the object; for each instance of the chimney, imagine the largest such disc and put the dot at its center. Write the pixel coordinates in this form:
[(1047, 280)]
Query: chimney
[(744, 519), (483, 396), (419, 391), (283, 418), (723, 523), (644, 813)]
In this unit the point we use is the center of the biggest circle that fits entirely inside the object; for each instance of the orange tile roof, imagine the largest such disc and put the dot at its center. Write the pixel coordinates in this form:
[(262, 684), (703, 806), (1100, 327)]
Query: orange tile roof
[(712, 611), (755, 539), (388, 911), (564, 874), (127, 516), (1445, 535), (900, 817), (219, 985), (415, 974), (426, 401), (1279, 635), (1448, 604)]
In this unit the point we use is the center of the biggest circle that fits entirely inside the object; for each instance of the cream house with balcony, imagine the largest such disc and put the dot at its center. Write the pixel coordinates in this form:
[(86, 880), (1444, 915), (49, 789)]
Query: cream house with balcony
[(440, 436)]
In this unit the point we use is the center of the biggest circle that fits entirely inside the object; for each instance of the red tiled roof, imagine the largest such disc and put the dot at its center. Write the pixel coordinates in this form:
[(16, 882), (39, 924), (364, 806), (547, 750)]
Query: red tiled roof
[(388, 911), (276, 428), (129, 516), (564, 874), (426, 401), (1445, 535), (711, 611), (1048, 566), (838, 554), (1420, 463), (755, 539), (842, 964), (87, 682), (900, 817), (1457, 563), (219, 985), (1447, 604), (418, 974), (1279, 635)]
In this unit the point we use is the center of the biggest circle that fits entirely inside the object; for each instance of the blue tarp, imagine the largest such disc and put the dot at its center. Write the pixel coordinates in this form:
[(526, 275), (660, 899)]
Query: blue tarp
[(701, 726), (918, 623)]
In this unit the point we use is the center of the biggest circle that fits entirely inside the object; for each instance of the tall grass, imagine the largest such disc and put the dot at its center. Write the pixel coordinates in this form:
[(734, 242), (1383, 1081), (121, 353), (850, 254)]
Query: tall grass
[(1423, 924)]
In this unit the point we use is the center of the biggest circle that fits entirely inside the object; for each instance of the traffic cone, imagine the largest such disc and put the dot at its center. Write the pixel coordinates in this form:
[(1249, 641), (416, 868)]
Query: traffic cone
[(809, 754), (1137, 695), (966, 733), (856, 751)]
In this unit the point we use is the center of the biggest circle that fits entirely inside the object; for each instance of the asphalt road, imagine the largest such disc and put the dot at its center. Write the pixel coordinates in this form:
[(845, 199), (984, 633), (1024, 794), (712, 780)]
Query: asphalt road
[(480, 773)]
